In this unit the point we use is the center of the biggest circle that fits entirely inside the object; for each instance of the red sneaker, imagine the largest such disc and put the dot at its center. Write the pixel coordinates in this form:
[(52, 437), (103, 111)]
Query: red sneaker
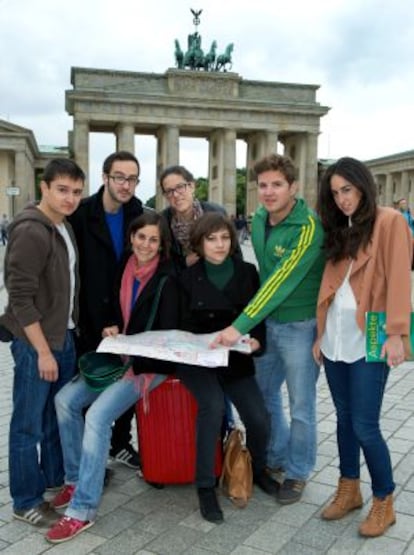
[(67, 528), (62, 499)]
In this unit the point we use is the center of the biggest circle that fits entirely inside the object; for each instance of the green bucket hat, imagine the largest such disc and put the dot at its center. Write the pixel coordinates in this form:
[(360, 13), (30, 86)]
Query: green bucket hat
[(100, 370)]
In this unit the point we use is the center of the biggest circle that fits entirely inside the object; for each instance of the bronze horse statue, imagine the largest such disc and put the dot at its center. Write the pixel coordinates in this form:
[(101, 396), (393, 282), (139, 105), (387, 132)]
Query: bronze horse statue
[(194, 57), (225, 59), (210, 57), (179, 55)]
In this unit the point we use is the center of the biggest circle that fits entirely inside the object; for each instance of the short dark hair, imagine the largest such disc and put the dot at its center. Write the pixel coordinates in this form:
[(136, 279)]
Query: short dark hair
[(151, 217), (276, 162), (121, 156), (208, 223), (341, 239), (176, 170), (60, 167)]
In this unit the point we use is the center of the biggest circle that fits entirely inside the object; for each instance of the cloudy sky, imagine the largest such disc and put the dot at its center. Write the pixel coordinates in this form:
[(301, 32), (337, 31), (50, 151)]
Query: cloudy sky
[(360, 52)]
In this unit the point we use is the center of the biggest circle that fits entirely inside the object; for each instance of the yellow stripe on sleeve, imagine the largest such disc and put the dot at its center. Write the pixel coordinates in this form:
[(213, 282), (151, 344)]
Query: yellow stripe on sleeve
[(276, 279)]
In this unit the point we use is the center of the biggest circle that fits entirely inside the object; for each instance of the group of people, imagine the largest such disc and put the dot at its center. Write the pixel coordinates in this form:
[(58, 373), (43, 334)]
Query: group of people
[(135, 270)]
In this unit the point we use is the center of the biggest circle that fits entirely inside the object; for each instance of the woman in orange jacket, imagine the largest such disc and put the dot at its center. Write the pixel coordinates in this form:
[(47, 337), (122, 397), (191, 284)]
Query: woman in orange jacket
[(368, 251)]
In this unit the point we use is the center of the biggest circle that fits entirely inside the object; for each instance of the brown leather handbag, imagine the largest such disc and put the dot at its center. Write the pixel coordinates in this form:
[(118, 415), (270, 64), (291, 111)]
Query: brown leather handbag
[(237, 475)]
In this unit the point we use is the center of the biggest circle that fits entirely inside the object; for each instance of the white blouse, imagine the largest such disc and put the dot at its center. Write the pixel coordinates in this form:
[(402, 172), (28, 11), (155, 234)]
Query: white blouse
[(342, 339)]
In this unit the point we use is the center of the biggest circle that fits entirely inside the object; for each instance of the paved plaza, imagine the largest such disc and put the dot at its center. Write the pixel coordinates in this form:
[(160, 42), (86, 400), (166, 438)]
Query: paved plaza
[(136, 519)]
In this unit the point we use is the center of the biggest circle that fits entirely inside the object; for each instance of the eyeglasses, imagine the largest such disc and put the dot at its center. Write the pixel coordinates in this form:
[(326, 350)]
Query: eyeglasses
[(121, 179), (179, 189)]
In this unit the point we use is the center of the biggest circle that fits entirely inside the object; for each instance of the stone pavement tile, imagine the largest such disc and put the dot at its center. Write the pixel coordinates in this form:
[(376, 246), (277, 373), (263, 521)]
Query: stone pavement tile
[(404, 503), (328, 447), (271, 537), (295, 548), (315, 533), (84, 544), (295, 515), (403, 529), (409, 486), (190, 551), (164, 518), (111, 500), (256, 513), (244, 550), (33, 544), (113, 523), (224, 538), (16, 530), (383, 545), (322, 461), (127, 543), (147, 501), (403, 471), (177, 540)]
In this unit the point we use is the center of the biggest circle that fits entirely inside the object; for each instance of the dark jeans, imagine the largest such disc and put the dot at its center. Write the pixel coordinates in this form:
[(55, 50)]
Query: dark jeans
[(209, 392), (357, 391), (34, 424)]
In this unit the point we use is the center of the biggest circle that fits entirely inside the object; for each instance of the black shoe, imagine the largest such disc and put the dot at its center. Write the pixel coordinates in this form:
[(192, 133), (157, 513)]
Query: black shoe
[(127, 456), (209, 507), (290, 491), (266, 483)]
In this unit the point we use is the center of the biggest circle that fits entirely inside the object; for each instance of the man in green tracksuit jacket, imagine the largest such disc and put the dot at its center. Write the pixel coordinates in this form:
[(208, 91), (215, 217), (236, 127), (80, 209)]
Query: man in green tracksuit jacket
[(287, 238)]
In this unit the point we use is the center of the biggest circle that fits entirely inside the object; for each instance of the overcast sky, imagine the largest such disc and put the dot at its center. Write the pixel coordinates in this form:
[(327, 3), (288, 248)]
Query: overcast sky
[(360, 52)]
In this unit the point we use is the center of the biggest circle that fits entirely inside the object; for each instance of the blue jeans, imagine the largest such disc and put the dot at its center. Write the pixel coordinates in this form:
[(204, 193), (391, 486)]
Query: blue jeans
[(357, 391), (33, 423), (288, 358), (86, 441)]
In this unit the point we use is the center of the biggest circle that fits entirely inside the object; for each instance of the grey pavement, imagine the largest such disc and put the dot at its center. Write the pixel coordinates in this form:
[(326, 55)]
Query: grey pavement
[(136, 519)]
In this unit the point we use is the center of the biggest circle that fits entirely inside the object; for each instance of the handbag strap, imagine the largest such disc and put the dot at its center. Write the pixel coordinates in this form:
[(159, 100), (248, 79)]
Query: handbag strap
[(155, 303)]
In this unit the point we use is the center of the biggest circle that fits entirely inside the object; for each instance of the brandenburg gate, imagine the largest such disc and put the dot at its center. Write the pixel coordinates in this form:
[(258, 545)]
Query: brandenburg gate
[(221, 107)]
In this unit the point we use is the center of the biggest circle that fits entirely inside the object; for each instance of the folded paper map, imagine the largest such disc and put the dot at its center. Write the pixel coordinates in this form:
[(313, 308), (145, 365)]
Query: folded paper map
[(173, 345)]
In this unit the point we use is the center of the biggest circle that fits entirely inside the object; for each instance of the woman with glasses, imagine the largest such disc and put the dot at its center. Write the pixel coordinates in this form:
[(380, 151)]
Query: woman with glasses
[(178, 187)]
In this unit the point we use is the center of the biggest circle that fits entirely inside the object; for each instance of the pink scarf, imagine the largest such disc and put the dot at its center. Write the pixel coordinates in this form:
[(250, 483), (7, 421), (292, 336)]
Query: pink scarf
[(131, 272), (143, 274)]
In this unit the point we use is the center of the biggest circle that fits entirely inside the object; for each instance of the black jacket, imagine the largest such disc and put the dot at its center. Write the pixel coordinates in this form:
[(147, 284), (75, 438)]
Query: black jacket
[(206, 309), (166, 316), (97, 265)]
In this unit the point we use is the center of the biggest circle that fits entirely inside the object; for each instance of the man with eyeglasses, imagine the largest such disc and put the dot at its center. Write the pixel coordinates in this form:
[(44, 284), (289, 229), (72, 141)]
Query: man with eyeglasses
[(100, 225)]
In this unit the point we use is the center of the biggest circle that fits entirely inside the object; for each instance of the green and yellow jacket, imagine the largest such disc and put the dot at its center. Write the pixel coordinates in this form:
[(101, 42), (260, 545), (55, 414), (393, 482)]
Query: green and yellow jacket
[(291, 263)]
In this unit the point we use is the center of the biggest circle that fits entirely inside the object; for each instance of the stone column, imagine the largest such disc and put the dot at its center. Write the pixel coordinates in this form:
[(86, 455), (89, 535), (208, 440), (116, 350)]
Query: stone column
[(125, 137), (18, 202), (229, 171), (389, 190), (405, 185), (310, 178), (81, 147), (222, 169), (168, 154), (259, 144)]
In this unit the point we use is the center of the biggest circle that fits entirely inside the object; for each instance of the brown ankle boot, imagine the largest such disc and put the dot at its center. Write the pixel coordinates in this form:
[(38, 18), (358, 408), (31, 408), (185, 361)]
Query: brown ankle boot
[(347, 498), (379, 519)]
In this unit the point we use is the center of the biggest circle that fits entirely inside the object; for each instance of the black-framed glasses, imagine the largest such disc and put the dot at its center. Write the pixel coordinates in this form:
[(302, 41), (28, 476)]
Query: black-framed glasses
[(121, 179), (179, 189)]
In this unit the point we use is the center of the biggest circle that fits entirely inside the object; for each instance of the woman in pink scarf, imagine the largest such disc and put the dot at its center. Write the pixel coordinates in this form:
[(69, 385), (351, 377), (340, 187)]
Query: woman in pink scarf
[(85, 443)]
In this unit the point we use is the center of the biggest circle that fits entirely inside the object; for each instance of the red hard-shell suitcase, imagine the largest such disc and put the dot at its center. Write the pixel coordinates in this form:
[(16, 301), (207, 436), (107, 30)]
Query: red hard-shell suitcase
[(166, 435)]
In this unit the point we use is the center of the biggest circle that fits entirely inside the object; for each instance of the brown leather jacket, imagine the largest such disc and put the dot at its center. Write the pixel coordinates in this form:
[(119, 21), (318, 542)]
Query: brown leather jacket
[(380, 276)]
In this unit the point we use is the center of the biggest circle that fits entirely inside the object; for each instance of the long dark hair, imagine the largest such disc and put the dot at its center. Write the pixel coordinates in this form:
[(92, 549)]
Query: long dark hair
[(341, 239)]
